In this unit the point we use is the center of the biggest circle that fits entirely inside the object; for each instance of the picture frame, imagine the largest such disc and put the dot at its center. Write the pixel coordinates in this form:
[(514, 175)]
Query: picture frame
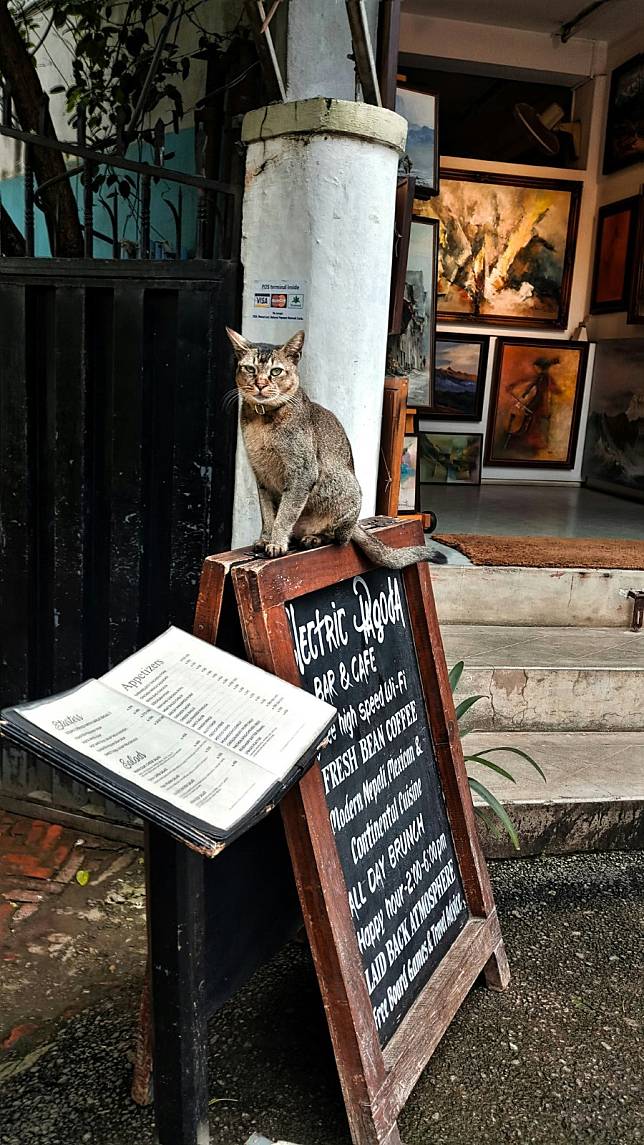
[(420, 109), (635, 314), (535, 403), (408, 496), (449, 458), (624, 136), (405, 192), (410, 353), (458, 380), (615, 240), (612, 461), (507, 248)]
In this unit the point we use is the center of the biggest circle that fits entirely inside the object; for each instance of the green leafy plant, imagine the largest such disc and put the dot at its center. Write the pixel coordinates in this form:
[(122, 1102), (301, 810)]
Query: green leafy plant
[(481, 757)]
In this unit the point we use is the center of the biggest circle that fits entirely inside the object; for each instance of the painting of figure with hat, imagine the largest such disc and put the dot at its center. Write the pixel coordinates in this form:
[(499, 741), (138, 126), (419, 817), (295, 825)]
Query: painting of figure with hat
[(534, 411)]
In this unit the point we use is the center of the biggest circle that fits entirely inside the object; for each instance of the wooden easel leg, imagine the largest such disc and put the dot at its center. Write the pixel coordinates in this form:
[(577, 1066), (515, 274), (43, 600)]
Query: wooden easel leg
[(142, 1076), (176, 924), (496, 970), (393, 1137)]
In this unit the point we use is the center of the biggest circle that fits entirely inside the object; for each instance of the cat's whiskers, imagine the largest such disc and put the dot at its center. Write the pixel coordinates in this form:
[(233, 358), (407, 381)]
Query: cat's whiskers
[(231, 398)]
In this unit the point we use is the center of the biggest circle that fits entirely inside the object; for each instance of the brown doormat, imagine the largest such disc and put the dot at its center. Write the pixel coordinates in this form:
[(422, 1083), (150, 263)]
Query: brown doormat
[(547, 552)]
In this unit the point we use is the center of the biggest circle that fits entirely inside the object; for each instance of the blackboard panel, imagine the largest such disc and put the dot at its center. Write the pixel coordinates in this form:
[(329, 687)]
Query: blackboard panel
[(354, 647), (251, 908)]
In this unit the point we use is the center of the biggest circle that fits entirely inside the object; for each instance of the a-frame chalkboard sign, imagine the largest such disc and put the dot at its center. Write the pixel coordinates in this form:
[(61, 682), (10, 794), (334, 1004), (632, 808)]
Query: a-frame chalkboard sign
[(393, 885)]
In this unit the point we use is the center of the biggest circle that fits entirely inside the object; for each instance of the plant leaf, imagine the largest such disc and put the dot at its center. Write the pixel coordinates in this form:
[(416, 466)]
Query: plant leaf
[(488, 763), (465, 705), (490, 822), (455, 674), (498, 810), (523, 754)]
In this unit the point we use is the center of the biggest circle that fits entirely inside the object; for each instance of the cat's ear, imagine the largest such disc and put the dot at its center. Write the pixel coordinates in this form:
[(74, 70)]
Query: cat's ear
[(293, 348), (240, 345)]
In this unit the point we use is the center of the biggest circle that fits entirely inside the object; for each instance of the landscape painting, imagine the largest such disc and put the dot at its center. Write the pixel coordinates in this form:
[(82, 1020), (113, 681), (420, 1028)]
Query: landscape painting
[(506, 248), (421, 112), (410, 353), (460, 363), (536, 403), (408, 475), (449, 458), (614, 449), (624, 142)]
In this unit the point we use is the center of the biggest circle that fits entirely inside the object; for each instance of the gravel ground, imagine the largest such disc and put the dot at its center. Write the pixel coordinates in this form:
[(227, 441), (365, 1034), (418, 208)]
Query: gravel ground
[(555, 1060)]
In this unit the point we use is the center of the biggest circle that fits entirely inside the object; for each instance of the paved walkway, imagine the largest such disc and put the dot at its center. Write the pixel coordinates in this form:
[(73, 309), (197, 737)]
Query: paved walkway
[(556, 1060)]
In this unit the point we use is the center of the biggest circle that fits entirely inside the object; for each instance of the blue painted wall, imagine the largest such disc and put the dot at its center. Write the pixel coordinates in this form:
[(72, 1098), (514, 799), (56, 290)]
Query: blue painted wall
[(162, 228)]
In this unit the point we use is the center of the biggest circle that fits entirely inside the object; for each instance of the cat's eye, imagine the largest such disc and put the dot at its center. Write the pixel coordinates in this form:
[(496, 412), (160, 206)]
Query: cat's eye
[(249, 369), (276, 372)]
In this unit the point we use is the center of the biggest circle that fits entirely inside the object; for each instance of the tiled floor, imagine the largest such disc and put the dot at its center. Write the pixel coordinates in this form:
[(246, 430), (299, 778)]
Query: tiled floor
[(512, 647), (578, 765), (533, 510)]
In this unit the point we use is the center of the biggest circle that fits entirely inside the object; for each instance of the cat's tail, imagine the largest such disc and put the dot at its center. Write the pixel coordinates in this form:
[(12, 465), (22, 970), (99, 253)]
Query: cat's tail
[(391, 558)]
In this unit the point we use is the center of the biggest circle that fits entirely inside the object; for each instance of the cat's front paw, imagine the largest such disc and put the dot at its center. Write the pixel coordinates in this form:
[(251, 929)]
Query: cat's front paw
[(276, 548), (259, 546)]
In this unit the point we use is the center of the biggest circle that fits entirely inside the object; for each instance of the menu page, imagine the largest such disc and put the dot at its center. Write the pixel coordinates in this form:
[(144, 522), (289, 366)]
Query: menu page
[(145, 748), (231, 702), (203, 730)]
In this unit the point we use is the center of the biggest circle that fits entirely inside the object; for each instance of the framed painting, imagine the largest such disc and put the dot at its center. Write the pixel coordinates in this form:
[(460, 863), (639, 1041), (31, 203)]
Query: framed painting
[(449, 458), (614, 254), (405, 190), (636, 293), (408, 498), (614, 446), (535, 403), (460, 366), (624, 140), (420, 109), (410, 353), (507, 247)]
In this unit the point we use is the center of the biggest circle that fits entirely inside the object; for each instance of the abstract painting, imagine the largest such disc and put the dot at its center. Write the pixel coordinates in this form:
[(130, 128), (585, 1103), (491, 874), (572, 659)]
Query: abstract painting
[(624, 142), (449, 458), (408, 475), (460, 363), (614, 251), (410, 353), (506, 248), (536, 403), (421, 112), (614, 449)]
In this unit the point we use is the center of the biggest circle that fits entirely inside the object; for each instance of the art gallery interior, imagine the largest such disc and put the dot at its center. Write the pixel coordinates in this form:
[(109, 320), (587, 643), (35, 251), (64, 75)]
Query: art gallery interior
[(528, 108)]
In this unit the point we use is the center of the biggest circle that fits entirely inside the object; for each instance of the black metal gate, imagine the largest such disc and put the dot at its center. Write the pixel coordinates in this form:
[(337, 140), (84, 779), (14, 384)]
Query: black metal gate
[(116, 471)]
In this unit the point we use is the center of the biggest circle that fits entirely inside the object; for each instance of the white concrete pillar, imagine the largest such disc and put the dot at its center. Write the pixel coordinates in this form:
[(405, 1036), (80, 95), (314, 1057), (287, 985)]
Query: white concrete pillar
[(319, 213), (319, 50)]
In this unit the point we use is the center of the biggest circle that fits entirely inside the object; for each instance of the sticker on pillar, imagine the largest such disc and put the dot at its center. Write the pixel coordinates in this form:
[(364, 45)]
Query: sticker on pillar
[(282, 299)]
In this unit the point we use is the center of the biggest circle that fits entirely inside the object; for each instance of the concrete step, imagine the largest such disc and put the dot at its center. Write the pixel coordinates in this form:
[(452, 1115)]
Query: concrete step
[(480, 594), (593, 798), (550, 679)]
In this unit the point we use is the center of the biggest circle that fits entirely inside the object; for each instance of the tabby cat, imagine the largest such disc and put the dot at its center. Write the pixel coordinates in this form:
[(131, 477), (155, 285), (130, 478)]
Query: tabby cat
[(302, 460)]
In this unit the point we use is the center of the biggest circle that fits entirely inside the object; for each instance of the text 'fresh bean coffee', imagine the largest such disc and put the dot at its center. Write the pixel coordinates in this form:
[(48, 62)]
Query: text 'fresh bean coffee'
[(354, 648)]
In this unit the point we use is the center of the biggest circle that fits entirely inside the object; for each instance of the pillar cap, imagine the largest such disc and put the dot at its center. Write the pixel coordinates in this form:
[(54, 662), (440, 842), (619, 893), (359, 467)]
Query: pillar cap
[(321, 116)]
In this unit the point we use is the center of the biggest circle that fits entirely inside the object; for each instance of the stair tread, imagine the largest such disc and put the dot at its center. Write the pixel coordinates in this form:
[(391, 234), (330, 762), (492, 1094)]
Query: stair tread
[(579, 766), (506, 646)]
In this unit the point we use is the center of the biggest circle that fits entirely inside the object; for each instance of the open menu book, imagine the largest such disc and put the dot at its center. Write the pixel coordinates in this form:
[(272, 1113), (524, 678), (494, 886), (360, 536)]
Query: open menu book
[(186, 735)]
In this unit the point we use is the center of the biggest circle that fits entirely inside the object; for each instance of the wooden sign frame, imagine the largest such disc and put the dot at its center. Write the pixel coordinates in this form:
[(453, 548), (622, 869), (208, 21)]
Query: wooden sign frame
[(376, 1082)]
